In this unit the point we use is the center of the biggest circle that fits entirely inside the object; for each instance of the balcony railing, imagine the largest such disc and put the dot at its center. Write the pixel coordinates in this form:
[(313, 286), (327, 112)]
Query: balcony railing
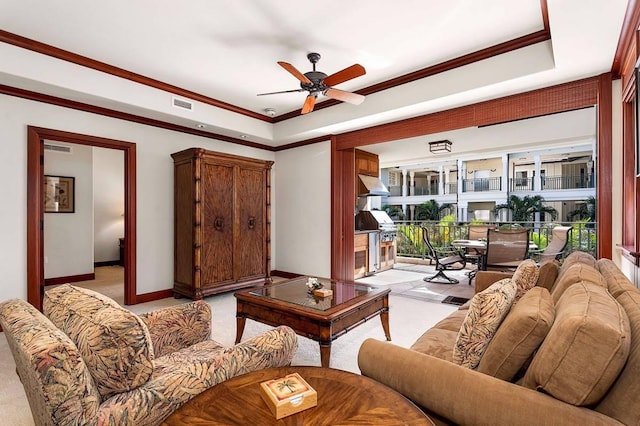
[(567, 182), (582, 237), (482, 184), (520, 184), (548, 183), (553, 183), (396, 190)]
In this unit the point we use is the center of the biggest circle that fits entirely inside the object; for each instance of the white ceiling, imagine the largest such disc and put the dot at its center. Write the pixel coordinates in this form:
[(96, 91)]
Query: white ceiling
[(228, 49)]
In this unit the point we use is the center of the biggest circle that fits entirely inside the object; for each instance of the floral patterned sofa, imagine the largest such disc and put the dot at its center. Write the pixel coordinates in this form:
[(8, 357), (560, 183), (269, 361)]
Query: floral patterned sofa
[(91, 362)]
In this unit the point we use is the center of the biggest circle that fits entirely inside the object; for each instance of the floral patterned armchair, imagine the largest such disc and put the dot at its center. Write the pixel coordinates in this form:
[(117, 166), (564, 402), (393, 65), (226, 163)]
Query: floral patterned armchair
[(93, 362)]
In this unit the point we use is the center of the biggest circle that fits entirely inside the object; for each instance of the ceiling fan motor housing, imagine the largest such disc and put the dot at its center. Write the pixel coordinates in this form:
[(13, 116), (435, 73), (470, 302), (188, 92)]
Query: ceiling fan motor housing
[(317, 86)]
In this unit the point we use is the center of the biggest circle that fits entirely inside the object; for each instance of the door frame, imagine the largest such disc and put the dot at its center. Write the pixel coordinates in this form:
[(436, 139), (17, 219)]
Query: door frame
[(35, 207)]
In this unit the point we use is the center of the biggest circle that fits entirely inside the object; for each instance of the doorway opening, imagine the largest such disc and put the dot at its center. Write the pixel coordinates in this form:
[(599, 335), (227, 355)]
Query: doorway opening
[(35, 207)]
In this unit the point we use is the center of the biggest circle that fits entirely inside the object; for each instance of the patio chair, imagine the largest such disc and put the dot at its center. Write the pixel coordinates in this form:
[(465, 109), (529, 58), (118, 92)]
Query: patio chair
[(505, 249), (474, 255), (445, 259), (557, 245)]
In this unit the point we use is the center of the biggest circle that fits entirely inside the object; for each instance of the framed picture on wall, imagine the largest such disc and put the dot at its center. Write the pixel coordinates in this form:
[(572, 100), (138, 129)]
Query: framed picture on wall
[(59, 194)]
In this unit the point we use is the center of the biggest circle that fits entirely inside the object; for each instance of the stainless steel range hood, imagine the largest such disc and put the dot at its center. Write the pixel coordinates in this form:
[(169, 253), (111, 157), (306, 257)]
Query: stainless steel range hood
[(373, 185)]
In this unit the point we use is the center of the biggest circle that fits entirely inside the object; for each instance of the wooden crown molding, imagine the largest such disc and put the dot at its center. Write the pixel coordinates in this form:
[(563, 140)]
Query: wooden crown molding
[(65, 55), (55, 52), (627, 35)]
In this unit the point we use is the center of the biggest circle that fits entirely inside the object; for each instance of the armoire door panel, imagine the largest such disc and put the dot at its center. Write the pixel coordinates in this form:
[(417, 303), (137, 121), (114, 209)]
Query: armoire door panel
[(250, 196), (217, 224), (184, 214)]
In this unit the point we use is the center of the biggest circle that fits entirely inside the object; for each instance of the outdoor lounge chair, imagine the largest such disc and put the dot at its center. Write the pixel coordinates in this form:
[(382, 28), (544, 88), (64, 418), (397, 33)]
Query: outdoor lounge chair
[(447, 259)]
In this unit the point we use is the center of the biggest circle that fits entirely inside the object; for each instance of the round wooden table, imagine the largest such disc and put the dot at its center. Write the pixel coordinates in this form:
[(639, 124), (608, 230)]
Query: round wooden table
[(343, 398)]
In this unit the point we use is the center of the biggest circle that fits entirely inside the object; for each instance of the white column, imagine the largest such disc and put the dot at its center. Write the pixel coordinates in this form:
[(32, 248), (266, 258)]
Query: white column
[(440, 181), (447, 180), (404, 183), (412, 211), (537, 181), (505, 173), (462, 171), (412, 182)]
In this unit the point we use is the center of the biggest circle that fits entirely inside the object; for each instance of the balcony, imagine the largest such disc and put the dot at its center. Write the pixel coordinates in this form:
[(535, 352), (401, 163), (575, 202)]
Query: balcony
[(553, 183), (482, 184)]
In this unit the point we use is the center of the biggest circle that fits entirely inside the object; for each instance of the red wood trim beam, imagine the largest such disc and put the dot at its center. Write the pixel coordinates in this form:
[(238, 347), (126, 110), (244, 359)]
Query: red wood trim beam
[(605, 164), (544, 8), (65, 55), (627, 34), (563, 97)]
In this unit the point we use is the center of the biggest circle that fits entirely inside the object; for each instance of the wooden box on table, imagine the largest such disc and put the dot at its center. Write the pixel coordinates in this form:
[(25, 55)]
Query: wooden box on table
[(288, 395)]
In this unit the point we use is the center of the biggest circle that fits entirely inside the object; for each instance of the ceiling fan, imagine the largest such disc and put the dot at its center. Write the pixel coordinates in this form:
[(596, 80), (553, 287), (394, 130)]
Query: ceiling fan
[(317, 82)]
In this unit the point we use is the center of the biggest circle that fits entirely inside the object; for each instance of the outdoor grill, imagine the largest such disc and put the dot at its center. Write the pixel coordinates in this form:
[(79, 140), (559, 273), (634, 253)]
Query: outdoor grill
[(368, 220)]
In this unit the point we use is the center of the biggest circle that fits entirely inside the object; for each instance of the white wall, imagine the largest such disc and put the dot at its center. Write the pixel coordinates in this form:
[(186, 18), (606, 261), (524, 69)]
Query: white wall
[(68, 237), (303, 214), (108, 203), (154, 186)]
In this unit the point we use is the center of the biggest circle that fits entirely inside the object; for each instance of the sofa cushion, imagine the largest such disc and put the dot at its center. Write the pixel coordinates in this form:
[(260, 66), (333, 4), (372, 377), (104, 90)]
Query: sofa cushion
[(585, 349), (452, 322), (576, 273), (114, 342), (622, 402), (617, 282), (548, 274), (519, 335), (525, 277), (436, 342), (578, 257), (487, 310)]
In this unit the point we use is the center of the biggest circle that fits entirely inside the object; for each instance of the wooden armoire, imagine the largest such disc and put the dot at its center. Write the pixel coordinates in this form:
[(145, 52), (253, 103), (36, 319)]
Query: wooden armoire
[(221, 222)]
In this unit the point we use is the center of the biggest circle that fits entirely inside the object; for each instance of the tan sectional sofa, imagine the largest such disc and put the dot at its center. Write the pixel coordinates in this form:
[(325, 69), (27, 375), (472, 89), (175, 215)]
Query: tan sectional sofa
[(566, 353)]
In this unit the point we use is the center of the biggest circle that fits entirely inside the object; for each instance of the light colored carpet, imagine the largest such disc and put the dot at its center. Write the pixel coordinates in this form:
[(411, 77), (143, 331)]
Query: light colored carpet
[(414, 306)]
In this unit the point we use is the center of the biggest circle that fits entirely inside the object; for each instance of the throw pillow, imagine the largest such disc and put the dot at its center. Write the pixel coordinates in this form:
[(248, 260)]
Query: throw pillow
[(520, 334), (525, 277), (114, 342), (486, 311), (585, 349)]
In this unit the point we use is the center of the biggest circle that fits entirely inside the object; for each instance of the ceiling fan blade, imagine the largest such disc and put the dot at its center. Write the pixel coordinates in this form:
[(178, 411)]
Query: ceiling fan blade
[(341, 95), (283, 91), (346, 74), (297, 74), (308, 104)]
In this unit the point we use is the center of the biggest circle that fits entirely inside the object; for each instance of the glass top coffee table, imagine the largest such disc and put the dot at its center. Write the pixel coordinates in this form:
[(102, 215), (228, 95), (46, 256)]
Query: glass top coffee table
[(322, 319)]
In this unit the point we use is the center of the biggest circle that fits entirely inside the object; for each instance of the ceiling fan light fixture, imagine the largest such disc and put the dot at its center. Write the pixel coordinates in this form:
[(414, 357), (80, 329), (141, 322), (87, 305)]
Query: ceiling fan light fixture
[(440, 147)]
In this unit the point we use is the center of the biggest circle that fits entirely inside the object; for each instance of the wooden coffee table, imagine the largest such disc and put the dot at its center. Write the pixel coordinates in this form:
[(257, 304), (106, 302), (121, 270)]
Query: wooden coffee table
[(343, 399), (321, 319)]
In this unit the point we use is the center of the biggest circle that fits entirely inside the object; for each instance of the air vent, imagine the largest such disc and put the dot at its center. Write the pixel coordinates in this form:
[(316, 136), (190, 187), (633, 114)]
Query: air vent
[(57, 148), (182, 103)]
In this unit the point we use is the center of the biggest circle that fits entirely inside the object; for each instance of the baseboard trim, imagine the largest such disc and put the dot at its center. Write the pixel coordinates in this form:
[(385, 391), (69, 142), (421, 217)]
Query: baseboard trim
[(69, 279), (284, 274), (153, 296), (107, 263)]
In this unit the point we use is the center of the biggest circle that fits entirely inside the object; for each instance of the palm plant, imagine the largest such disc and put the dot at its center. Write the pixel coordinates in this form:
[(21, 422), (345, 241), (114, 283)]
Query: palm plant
[(431, 210), (586, 210), (524, 209)]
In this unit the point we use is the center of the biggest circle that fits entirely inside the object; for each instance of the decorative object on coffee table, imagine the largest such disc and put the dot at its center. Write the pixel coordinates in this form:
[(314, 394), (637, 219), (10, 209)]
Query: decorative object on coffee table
[(288, 395)]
